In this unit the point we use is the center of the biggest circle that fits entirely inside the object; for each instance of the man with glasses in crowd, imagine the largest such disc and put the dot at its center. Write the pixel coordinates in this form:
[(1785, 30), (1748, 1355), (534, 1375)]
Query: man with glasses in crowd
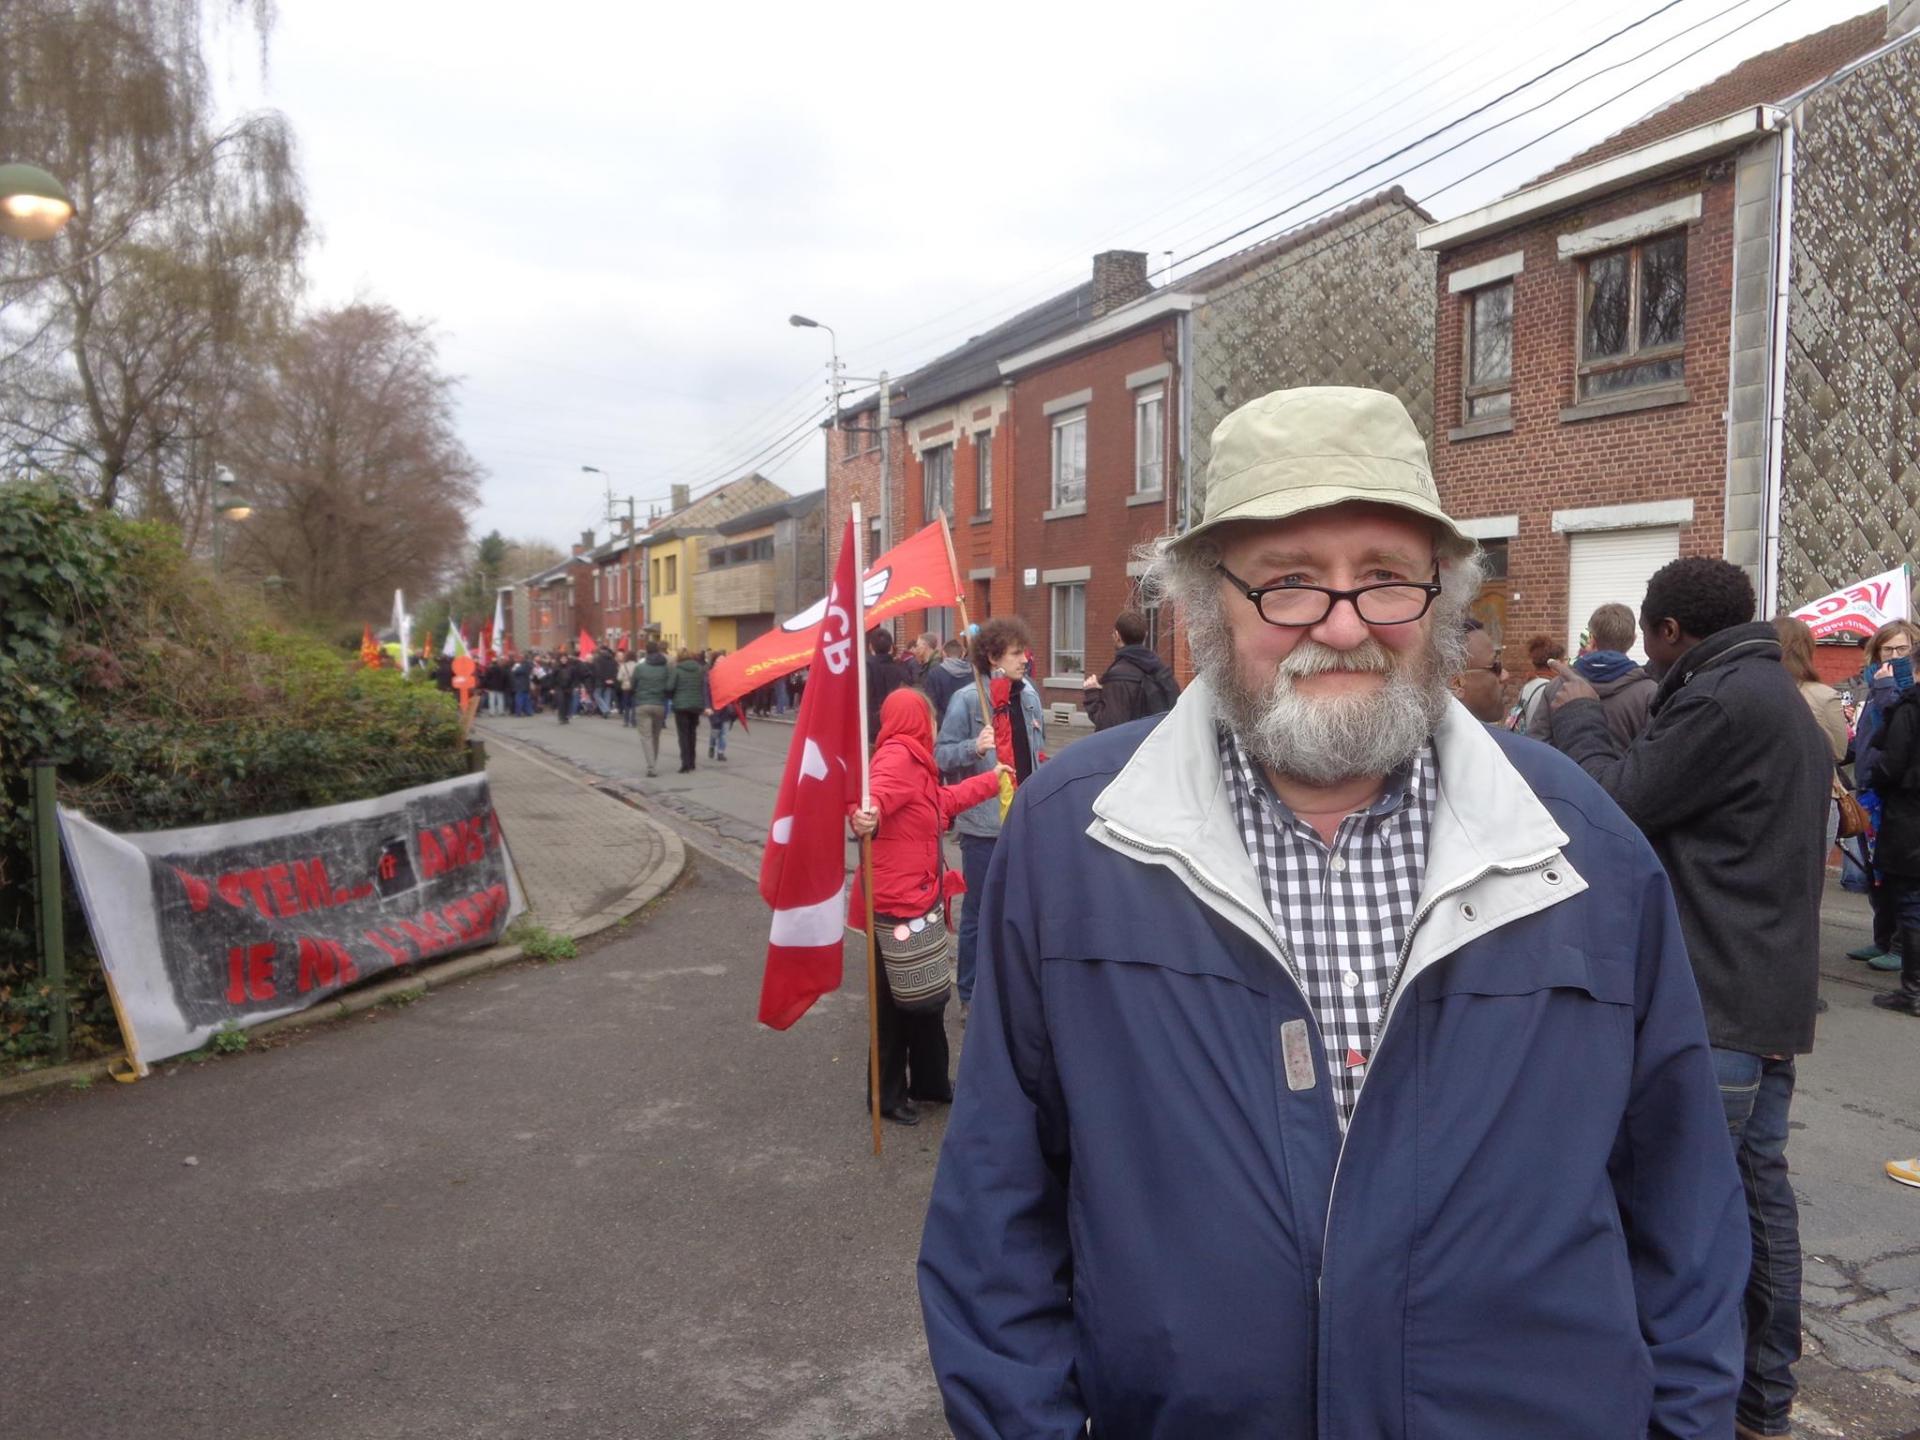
[(1318, 921)]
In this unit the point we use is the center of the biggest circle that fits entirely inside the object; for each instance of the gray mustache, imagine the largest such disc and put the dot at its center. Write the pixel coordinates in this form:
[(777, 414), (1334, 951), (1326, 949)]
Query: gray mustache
[(1370, 657)]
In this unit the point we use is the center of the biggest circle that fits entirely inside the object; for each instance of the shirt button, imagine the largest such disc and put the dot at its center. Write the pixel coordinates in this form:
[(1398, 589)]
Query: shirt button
[(1338, 865), (1350, 980)]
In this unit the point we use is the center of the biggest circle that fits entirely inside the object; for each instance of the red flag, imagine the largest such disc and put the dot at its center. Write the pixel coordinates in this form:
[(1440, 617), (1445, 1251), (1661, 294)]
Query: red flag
[(914, 575), (803, 872), (486, 643), (587, 647), (369, 652)]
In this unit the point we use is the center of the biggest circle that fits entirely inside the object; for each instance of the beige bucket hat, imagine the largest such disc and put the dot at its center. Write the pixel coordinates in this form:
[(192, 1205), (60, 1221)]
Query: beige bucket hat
[(1298, 450)]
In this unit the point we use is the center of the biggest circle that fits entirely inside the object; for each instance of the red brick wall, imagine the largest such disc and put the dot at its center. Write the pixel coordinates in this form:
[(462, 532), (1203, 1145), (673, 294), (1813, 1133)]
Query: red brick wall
[(975, 546), (1104, 537), (1546, 464)]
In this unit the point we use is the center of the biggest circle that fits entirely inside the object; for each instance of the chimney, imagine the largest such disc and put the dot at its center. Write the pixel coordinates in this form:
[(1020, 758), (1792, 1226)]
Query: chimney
[(586, 542), (1120, 276), (1903, 16), (682, 496)]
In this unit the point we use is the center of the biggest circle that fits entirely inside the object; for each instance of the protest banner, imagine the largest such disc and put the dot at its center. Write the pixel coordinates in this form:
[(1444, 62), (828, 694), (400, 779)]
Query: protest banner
[(1860, 609), (240, 923), (913, 575)]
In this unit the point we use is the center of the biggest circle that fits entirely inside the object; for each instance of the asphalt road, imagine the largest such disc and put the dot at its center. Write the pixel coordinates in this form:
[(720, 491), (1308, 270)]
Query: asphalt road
[(590, 1199)]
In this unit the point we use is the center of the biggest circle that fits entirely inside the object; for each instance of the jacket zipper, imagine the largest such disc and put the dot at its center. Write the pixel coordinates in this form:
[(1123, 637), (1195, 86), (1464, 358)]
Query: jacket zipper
[(1380, 1027)]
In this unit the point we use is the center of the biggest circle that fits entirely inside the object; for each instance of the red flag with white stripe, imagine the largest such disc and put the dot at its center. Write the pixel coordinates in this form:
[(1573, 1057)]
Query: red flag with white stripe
[(803, 873)]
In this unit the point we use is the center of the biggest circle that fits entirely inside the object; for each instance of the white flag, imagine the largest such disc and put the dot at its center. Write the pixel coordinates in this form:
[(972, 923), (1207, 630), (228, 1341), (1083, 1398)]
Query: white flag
[(500, 646), (403, 631)]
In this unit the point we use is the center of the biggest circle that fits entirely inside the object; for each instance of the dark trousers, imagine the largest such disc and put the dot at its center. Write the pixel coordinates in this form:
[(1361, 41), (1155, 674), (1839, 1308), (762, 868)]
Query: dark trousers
[(567, 697), (687, 722), (1757, 1093), (976, 853), (913, 1049)]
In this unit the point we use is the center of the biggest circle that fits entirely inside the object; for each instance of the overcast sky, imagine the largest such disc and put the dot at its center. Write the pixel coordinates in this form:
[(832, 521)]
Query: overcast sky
[(608, 210)]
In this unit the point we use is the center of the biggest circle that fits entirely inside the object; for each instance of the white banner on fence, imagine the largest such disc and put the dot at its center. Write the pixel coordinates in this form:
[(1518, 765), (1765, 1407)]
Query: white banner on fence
[(239, 923), (1861, 608)]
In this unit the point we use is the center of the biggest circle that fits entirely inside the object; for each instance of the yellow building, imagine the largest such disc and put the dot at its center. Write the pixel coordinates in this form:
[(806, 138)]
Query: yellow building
[(673, 553)]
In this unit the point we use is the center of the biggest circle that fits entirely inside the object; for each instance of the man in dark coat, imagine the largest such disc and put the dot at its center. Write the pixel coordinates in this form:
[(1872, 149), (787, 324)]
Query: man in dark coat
[(1137, 684), (606, 674), (951, 673), (1730, 781), (520, 677), (884, 676)]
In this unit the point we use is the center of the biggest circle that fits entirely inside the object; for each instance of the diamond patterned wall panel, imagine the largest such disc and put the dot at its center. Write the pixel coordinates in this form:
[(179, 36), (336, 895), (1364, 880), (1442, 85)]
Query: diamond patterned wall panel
[(1850, 503)]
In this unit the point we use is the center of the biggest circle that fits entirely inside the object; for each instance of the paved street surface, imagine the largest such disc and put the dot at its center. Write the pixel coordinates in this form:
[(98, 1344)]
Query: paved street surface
[(584, 1200), (594, 1199)]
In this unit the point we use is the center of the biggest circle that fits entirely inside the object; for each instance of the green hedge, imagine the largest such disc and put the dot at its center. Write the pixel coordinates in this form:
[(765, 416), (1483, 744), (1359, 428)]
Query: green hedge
[(166, 700)]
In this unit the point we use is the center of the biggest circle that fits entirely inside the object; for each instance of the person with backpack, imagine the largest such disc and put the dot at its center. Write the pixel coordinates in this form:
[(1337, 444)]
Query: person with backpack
[(1542, 650), (1137, 684)]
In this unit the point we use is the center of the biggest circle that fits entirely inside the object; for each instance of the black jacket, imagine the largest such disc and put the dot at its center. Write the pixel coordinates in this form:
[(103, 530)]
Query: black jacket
[(1137, 684), (606, 666), (884, 676), (1730, 782), (1896, 778)]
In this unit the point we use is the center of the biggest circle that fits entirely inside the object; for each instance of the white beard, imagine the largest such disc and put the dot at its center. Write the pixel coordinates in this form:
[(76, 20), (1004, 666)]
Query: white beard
[(1322, 741)]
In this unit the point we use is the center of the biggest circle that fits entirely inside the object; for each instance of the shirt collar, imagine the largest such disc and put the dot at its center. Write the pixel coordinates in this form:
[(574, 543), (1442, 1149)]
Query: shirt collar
[(1250, 778)]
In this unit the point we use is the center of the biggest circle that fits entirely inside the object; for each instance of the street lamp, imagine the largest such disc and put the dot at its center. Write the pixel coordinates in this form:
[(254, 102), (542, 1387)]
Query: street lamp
[(228, 504), (33, 205), (886, 421)]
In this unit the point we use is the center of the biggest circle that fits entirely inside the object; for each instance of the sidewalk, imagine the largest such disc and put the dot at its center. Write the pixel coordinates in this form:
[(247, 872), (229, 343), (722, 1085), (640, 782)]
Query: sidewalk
[(585, 859)]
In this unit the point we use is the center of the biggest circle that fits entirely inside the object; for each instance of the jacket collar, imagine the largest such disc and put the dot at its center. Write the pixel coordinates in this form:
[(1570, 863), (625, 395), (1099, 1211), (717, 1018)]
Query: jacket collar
[(1758, 640), (1170, 800)]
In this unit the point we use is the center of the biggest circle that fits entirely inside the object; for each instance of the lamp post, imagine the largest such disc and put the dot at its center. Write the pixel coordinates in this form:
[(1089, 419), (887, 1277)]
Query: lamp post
[(633, 541), (33, 205), (228, 504), (886, 421)]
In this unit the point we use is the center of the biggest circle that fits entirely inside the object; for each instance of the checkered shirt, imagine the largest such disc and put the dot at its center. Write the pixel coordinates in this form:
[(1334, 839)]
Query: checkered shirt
[(1343, 909)]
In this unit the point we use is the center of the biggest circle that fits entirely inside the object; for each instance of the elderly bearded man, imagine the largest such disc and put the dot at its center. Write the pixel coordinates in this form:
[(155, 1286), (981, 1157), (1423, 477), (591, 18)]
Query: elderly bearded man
[(1335, 1068)]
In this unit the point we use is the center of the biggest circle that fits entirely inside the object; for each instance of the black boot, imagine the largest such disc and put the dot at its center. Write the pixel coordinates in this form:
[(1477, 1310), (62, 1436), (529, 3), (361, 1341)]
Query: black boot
[(1906, 999)]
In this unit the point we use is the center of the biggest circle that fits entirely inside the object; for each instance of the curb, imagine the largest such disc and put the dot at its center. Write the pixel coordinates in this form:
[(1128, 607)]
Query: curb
[(662, 878)]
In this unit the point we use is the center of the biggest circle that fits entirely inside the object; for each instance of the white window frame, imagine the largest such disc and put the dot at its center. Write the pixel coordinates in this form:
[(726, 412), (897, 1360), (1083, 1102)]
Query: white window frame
[(1064, 424), (1472, 393), (1068, 592), (936, 494), (983, 473), (1149, 462)]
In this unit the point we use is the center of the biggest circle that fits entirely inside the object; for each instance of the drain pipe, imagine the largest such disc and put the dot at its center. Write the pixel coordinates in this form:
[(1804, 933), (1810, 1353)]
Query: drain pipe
[(1770, 517)]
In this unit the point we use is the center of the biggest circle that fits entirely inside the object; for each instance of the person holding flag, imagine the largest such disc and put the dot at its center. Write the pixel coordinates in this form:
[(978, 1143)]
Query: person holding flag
[(909, 810), (969, 745)]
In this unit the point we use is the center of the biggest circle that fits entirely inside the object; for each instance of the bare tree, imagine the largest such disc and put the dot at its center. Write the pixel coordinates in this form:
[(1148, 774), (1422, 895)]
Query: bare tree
[(121, 340), (346, 442)]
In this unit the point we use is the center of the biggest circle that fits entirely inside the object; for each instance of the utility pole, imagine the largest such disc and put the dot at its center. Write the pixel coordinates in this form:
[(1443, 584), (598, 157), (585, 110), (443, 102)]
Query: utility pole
[(886, 463)]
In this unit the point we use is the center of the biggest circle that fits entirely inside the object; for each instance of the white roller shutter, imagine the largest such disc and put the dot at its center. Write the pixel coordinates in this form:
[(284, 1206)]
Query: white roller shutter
[(1614, 565)]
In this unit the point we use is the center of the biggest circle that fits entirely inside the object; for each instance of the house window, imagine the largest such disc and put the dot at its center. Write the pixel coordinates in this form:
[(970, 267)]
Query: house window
[(1633, 316), (873, 540), (654, 587), (1069, 629), (849, 441), (1149, 441), (936, 481), (1070, 459), (1493, 556), (983, 473), (596, 587), (673, 574), (1490, 351)]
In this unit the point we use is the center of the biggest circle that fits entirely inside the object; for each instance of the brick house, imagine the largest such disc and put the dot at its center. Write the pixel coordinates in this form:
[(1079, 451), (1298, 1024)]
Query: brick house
[(1617, 380), (672, 553), (854, 454), (616, 586), (559, 599), (959, 452)]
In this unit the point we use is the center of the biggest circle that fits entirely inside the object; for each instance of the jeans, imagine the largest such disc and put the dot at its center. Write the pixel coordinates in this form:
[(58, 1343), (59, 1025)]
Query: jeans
[(687, 724), (603, 700), (566, 699), (1757, 1093), (522, 702), (717, 736), (626, 708), (976, 851)]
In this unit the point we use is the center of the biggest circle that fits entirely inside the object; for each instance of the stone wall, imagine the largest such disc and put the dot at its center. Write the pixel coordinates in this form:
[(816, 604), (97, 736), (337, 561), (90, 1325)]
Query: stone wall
[(1850, 502)]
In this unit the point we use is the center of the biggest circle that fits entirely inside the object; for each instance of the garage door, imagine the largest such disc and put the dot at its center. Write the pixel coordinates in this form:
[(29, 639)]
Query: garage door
[(1614, 565)]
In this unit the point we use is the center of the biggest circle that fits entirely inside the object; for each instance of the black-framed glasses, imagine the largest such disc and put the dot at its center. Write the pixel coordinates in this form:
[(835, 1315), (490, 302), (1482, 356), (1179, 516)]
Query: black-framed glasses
[(1391, 602)]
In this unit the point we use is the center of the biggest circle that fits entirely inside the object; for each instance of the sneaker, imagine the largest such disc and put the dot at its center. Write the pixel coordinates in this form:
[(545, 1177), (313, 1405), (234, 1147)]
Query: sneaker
[(1907, 1172), (1865, 952), (1886, 962), (721, 758)]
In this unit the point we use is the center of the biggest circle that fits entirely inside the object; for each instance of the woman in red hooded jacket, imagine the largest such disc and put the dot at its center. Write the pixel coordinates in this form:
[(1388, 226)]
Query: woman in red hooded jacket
[(910, 809)]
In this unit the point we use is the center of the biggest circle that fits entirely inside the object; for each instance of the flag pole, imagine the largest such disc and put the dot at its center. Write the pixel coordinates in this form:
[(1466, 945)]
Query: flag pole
[(979, 675), (866, 841)]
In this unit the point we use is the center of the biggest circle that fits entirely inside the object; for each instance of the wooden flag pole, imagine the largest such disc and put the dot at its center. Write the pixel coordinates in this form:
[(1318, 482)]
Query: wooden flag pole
[(979, 675), (866, 842)]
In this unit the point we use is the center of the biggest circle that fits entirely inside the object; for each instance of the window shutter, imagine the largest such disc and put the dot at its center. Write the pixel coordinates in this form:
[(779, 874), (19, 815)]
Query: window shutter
[(1607, 566)]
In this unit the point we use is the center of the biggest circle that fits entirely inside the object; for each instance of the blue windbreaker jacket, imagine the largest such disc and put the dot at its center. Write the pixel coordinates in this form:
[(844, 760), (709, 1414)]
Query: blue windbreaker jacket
[(1147, 1216)]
